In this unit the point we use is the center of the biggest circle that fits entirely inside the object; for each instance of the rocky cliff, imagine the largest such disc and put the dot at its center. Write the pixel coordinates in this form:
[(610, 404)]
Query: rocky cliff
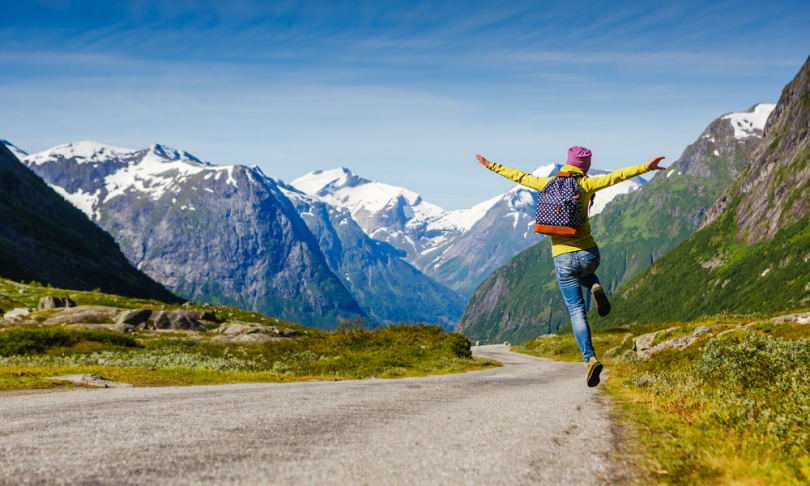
[(752, 254), (44, 238), (772, 193)]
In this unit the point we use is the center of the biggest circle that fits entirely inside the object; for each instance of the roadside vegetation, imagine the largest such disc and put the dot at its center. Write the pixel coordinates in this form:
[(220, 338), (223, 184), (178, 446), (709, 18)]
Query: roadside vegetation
[(32, 354), (733, 407)]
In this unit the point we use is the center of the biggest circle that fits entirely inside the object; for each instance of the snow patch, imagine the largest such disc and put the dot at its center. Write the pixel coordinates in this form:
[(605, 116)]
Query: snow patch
[(747, 124), (81, 152), (82, 200), (20, 154), (341, 188)]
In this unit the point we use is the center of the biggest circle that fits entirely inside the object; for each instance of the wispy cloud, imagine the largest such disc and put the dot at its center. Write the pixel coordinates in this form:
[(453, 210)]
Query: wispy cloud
[(389, 88)]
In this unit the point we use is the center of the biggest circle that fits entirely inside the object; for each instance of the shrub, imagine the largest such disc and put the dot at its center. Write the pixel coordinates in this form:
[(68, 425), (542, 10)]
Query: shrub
[(458, 345), (25, 341), (761, 388)]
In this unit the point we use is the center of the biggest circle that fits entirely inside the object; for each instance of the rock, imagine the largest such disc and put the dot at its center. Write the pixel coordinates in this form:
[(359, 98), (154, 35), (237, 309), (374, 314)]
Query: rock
[(701, 330), (174, 320), (134, 318), (17, 313), (85, 314), (50, 302), (160, 320), (92, 380), (148, 319), (242, 332), (803, 318), (642, 345), (182, 322), (199, 315)]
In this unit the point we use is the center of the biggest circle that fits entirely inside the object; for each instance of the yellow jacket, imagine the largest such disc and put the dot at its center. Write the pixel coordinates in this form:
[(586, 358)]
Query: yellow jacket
[(587, 188)]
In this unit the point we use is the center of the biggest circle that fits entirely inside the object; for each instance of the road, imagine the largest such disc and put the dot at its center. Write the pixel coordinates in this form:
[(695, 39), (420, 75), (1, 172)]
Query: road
[(532, 421)]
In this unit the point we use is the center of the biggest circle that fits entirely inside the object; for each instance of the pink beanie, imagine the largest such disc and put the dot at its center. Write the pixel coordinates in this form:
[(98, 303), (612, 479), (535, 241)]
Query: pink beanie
[(579, 157)]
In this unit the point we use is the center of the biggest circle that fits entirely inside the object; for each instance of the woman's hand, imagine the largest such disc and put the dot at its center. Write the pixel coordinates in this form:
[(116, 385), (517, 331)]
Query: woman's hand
[(653, 164), (483, 161)]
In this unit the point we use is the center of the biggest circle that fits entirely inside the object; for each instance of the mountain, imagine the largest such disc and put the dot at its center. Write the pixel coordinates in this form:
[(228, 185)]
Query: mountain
[(456, 248), (753, 252), (387, 288), (522, 300), (13, 149), (218, 234), (44, 238)]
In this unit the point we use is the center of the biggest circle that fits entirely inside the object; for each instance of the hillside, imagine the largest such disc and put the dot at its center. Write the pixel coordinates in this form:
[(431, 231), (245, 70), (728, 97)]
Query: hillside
[(753, 254), (521, 299), (43, 238)]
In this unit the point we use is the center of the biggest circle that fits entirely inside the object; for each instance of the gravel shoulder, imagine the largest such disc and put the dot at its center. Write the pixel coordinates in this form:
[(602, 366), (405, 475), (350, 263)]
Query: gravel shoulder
[(531, 421)]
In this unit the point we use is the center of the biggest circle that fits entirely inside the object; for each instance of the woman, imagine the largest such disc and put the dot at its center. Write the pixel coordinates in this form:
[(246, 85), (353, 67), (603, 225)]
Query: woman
[(576, 257)]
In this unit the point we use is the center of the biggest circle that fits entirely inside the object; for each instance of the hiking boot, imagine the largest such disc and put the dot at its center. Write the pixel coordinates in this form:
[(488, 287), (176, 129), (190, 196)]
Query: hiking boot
[(602, 303), (594, 369)]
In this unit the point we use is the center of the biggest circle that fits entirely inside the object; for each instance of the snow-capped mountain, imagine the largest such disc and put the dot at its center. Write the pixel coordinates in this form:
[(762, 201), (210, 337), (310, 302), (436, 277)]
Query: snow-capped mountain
[(13, 149), (221, 234), (237, 218), (388, 288), (386, 213), (411, 263), (456, 248), (45, 239)]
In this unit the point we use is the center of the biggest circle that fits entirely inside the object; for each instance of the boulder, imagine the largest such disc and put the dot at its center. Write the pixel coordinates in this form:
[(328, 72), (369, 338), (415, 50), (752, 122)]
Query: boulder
[(175, 320), (160, 320), (15, 314), (803, 318), (85, 314), (198, 315), (134, 318), (181, 322), (642, 345), (50, 302), (244, 332), (92, 380)]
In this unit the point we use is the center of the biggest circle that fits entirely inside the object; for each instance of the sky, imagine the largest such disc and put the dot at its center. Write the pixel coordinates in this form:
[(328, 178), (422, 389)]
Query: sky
[(402, 92)]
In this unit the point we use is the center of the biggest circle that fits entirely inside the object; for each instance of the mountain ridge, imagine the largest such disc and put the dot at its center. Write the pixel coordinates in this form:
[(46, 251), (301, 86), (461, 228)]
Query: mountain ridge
[(752, 254), (44, 238), (219, 234)]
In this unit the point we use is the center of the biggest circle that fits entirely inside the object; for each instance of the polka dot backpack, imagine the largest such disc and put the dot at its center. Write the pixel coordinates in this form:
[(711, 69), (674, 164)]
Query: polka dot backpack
[(559, 208)]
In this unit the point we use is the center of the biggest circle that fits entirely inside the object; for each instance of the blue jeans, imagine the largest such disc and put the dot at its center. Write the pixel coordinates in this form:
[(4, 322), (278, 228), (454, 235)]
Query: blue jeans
[(574, 271)]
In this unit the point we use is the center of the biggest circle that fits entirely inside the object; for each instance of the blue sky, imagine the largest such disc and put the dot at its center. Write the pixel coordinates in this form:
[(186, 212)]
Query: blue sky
[(401, 92)]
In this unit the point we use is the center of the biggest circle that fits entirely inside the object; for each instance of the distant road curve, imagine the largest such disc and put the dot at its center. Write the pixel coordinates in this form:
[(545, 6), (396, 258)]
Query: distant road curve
[(531, 421)]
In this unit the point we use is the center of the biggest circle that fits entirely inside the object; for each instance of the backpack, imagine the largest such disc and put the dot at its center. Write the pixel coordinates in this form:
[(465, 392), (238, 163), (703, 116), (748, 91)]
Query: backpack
[(559, 209)]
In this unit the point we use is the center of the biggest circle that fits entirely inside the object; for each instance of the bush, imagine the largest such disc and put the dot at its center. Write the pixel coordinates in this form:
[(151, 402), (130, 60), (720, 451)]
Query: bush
[(26, 341), (458, 345), (761, 388)]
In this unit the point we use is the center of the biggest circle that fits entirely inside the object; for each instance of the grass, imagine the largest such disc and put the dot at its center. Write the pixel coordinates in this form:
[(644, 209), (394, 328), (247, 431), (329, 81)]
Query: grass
[(733, 408), (31, 354), (29, 357)]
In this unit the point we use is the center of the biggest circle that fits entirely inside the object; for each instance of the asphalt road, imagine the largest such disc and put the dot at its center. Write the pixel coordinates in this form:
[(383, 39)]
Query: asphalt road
[(531, 421)]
